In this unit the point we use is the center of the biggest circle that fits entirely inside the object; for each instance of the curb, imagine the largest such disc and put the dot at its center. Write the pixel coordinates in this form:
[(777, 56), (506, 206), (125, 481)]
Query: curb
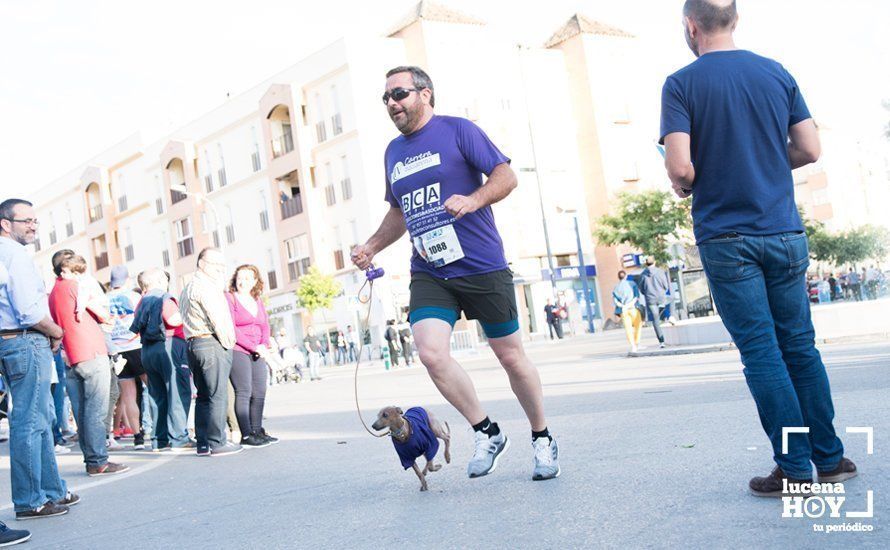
[(687, 350)]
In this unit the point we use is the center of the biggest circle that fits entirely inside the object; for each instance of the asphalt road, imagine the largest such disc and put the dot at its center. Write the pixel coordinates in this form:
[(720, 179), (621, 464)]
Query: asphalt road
[(655, 452)]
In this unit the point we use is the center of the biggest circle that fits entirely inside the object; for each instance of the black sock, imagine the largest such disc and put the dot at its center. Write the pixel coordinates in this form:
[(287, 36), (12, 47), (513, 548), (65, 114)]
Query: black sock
[(543, 433), (487, 427)]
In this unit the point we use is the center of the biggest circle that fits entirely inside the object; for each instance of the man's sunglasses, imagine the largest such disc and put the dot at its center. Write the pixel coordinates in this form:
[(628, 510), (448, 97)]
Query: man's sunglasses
[(399, 94)]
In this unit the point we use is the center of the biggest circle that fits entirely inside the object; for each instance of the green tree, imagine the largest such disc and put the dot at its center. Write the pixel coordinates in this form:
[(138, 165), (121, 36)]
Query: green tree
[(645, 220), (317, 290), (821, 243), (856, 245)]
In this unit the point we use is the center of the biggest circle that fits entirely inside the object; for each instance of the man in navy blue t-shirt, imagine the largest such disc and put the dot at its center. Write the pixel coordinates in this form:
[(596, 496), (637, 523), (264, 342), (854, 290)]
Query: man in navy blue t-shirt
[(734, 125), (435, 189)]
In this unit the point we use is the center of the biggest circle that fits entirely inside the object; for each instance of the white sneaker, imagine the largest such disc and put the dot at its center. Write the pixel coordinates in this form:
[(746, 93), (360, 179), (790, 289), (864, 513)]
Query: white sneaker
[(546, 459), (113, 445), (62, 450), (488, 451), (633, 348)]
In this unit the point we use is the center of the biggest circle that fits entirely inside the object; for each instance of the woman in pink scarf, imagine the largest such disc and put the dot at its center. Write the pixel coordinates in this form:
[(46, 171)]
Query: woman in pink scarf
[(249, 370)]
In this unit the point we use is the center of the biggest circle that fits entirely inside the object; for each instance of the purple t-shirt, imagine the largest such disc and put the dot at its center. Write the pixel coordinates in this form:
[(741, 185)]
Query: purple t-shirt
[(422, 441), (446, 157)]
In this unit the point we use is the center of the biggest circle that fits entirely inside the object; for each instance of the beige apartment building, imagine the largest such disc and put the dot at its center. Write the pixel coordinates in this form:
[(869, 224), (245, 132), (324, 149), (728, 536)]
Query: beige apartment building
[(288, 174)]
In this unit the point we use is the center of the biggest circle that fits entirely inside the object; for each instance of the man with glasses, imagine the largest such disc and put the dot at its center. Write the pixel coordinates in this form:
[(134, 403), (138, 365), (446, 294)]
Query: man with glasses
[(28, 338), (211, 337), (435, 190)]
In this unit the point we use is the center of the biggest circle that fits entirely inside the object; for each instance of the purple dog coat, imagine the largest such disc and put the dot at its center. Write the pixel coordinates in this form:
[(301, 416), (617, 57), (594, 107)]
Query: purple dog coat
[(422, 440)]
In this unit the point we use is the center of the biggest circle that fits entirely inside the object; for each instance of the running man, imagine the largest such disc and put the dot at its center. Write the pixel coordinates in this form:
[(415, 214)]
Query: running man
[(435, 190)]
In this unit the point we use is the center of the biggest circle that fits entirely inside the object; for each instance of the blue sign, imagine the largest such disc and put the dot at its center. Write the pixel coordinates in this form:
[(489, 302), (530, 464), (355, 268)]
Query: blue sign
[(569, 272)]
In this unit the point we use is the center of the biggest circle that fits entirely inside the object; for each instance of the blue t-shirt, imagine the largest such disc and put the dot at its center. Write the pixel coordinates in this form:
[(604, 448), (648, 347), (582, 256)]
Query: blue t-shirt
[(421, 442), (737, 107), (446, 157)]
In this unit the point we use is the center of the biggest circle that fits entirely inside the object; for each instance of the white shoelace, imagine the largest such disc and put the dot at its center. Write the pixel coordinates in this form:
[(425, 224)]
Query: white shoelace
[(542, 451), (483, 446)]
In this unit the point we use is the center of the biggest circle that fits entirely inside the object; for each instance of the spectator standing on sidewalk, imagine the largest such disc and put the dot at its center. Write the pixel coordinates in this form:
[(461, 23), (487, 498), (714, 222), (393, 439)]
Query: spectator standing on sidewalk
[(313, 353), (211, 337), (554, 322), (734, 125), (89, 371), (122, 302), (654, 285), (352, 342), (28, 338)]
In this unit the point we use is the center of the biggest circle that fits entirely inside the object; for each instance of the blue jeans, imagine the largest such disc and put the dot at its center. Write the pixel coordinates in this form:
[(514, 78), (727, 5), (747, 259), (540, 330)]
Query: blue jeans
[(169, 418), (88, 387), (179, 353), (210, 364), (60, 424), (26, 364), (759, 288)]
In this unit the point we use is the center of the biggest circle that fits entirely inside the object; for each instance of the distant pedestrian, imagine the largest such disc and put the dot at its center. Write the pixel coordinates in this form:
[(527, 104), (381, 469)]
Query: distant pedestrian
[(554, 322), (391, 335), (351, 341), (341, 347), (313, 346), (654, 284), (626, 308), (406, 339)]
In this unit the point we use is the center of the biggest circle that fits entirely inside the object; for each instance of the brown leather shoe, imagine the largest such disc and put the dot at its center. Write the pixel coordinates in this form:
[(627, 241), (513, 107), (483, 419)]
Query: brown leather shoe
[(70, 499), (48, 510), (844, 471), (771, 485), (107, 469)]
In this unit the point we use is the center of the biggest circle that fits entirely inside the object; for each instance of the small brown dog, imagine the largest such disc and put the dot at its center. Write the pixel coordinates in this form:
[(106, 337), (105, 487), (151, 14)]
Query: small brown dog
[(414, 434)]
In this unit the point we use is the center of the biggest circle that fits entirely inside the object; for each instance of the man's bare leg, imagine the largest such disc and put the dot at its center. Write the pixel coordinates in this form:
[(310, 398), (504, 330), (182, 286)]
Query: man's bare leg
[(433, 339), (524, 378)]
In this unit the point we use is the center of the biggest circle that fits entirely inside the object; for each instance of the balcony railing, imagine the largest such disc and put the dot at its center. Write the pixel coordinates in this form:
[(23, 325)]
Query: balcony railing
[(186, 247), (208, 183), (298, 268), (330, 194), (346, 188), (214, 235), (159, 205), (273, 279), (102, 261), (176, 196), (264, 220), (37, 245), (69, 229), (165, 258), (122, 203), (255, 161), (230, 234), (291, 207), (53, 237), (95, 213), (129, 253), (336, 124), (221, 173), (320, 131), (281, 145)]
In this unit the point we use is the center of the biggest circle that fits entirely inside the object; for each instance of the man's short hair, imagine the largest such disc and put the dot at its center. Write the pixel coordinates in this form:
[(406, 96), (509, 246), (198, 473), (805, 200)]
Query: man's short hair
[(419, 77), (7, 207), (622, 275), (151, 276), (205, 251), (710, 15)]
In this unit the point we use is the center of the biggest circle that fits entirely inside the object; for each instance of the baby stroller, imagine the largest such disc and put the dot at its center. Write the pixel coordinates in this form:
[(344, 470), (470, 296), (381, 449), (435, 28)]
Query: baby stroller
[(286, 367)]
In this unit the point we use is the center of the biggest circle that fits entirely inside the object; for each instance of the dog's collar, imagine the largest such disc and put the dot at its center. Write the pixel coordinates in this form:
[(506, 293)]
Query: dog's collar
[(397, 435)]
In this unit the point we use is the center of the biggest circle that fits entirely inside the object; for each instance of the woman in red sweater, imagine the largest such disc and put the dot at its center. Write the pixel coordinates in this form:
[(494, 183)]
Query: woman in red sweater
[(249, 370)]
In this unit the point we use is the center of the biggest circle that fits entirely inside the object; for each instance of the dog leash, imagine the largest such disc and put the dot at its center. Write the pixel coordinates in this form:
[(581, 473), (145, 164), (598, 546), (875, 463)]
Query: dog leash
[(370, 274)]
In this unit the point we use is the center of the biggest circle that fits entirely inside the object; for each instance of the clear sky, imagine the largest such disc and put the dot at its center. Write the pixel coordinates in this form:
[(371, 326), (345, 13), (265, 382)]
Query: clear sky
[(79, 76)]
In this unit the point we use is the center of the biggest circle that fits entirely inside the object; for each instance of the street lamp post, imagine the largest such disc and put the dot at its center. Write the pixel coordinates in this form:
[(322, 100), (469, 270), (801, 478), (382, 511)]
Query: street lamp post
[(531, 138), (583, 270)]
